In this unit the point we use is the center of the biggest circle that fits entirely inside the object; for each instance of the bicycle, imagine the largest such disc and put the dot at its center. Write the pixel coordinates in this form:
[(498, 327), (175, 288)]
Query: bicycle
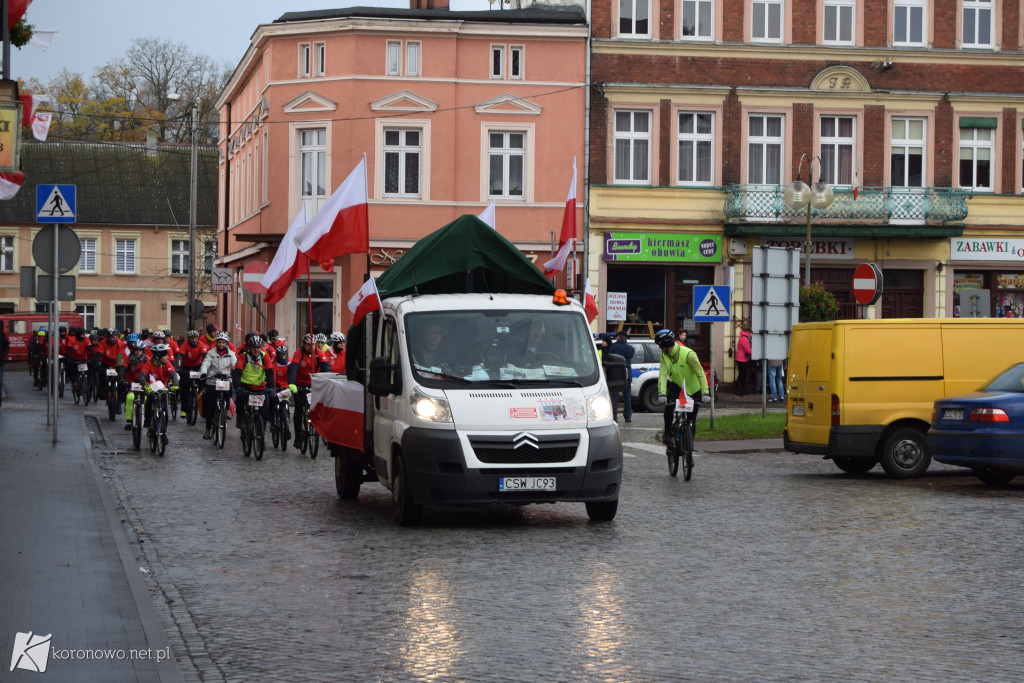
[(158, 428), (80, 386), (306, 437), (681, 433), (252, 424), (190, 399), (135, 395), (44, 373), (61, 372), (222, 386), (280, 419), (112, 402), (173, 401)]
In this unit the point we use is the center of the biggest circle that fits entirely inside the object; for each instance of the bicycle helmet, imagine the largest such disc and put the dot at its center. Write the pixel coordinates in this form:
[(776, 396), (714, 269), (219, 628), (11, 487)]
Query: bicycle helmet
[(337, 338), (255, 340), (320, 338), (222, 335), (111, 332), (159, 349), (665, 338), (192, 333), (307, 339), (281, 351), (158, 337)]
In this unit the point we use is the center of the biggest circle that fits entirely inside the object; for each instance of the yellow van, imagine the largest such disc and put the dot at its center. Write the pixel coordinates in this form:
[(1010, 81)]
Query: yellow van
[(860, 392)]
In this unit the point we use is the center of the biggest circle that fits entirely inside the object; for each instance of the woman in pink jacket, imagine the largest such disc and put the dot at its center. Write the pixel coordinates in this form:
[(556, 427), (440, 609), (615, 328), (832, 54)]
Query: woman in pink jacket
[(742, 361)]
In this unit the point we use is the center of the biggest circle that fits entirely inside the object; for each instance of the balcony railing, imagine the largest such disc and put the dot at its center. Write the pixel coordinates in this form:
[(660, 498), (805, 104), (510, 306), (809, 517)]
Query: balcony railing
[(873, 204)]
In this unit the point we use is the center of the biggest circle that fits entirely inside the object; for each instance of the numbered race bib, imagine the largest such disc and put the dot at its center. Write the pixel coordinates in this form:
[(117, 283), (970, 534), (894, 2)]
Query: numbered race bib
[(223, 385), (83, 367), (193, 374), (157, 386), (684, 404), (284, 393), (256, 400), (136, 386), (111, 372)]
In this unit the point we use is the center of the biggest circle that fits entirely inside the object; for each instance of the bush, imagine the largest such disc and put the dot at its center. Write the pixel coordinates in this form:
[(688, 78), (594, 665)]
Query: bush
[(817, 304)]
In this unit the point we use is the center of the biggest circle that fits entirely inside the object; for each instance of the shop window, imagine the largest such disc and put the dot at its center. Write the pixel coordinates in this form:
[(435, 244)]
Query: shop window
[(1009, 295)]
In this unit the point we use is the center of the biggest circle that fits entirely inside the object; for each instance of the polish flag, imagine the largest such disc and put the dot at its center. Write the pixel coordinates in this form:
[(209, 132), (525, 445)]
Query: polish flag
[(29, 105), (367, 299), (855, 183), (41, 125), (487, 216), (567, 239), (590, 303), (336, 410), (342, 225), (10, 183), (288, 263)]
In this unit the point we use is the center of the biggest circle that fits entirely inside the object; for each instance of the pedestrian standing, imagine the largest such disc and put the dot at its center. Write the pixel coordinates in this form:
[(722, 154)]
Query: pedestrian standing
[(743, 351), (5, 348), (776, 381), (622, 348)]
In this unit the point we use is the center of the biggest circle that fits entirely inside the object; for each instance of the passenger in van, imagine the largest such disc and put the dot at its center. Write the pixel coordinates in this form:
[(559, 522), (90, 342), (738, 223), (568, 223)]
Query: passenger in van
[(429, 350)]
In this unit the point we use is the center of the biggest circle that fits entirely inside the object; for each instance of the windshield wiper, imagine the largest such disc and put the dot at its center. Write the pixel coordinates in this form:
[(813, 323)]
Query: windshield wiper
[(560, 382), (441, 375)]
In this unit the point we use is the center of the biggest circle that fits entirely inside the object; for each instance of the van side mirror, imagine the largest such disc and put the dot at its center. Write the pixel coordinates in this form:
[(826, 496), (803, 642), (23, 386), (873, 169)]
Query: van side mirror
[(616, 373), (381, 371)]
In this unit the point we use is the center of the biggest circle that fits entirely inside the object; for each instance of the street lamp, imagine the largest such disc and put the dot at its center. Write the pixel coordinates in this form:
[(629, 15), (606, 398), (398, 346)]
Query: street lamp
[(818, 196), (189, 306)]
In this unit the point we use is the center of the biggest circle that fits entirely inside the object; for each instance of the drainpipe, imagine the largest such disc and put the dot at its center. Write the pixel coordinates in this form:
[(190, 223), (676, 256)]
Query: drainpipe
[(227, 211), (586, 163)]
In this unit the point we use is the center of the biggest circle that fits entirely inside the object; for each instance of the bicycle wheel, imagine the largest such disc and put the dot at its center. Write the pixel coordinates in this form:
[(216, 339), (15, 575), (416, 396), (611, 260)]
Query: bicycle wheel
[(274, 427), (285, 420), (161, 430), (687, 455), (302, 433), (258, 442), (673, 459), (222, 423), (76, 391), (137, 426), (192, 405), (86, 390), (112, 401), (174, 407), (60, 381), (314, 442)]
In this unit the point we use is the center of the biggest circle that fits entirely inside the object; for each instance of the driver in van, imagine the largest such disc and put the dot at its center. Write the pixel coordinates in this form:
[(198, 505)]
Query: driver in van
[(534, 345), (429, 351)]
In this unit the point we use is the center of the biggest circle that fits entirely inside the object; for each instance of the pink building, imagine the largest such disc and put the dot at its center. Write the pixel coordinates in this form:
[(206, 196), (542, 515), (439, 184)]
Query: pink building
[(452, 110)]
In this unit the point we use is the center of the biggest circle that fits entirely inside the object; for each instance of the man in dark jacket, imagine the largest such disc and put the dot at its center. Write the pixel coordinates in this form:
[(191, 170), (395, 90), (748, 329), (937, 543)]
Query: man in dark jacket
[(621, 347)]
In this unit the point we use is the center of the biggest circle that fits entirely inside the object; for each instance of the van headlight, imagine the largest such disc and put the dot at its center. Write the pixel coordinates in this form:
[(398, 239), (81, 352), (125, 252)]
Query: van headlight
[(599, 406), (430, 408)]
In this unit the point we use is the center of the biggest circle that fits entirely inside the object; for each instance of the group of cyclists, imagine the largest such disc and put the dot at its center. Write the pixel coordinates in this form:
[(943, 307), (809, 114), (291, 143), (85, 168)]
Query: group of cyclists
[(126, 362)]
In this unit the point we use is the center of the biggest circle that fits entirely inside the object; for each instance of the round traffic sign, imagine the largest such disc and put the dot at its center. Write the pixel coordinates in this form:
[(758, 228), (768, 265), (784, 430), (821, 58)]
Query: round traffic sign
[(251, 276), (69, 248), (867, 284)]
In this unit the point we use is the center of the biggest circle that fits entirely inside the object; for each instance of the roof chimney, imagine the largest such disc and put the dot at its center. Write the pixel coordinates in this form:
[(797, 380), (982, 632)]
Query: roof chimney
[(428, 4)]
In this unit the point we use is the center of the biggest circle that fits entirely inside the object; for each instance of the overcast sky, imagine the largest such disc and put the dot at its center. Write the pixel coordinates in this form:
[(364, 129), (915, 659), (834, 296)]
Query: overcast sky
[(92, 32)]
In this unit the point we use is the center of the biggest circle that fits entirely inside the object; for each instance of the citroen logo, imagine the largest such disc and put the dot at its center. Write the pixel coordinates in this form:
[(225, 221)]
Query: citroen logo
[(524, 439)]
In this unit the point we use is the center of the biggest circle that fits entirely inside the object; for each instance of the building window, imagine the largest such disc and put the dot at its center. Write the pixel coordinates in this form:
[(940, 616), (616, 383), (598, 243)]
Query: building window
[(7, 252), (497, 61), (88, 313), (696, 144), (313, 168), (977, 147), (977, 23), (264, 163), (321, 293), (305, 56), (515, 62), (766, 20), (906, 152), (320, 49), (837, 149), (506, 157), (124, 316), (87, 259), (634, 18), (402, 151), (697, 18), (839, 21), (908, 22), (764, 149), (632, 146), (124, 257), (209, 254), (412, 59), (394, 58), (179, 256)]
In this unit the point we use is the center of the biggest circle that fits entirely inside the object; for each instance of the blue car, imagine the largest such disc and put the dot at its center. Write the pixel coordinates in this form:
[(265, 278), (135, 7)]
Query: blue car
[(983, 430)]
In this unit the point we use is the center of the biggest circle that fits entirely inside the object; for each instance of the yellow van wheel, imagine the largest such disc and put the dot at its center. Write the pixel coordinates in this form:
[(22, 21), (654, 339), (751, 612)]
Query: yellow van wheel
[(905, 453), (854, 465)]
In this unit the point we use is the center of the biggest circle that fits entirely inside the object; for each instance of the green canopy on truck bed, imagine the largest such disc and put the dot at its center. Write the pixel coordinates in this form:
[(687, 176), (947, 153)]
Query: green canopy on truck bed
[(465, 256)]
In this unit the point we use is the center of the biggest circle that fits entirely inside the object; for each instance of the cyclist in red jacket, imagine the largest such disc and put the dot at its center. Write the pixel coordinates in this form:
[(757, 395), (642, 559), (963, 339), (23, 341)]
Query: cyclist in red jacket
[(306, 361)]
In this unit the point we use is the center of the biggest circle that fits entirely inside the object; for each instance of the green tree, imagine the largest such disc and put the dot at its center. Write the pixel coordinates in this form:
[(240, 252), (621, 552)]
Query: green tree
[(817, 304)]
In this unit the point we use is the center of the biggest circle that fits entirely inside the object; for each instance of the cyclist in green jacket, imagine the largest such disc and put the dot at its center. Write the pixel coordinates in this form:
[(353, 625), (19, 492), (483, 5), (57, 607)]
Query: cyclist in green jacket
[(680, 368)]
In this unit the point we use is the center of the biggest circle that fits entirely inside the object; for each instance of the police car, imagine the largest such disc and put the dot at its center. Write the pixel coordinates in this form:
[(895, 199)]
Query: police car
[(646, 360)]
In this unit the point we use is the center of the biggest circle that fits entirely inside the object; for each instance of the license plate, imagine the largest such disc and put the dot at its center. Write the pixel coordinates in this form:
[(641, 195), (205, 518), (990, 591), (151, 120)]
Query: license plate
[(193, 374), (111, 372), (136, 386), (955, 414), (798, 411), (526, 483), (83, 367), (223, 385), (256, 399)]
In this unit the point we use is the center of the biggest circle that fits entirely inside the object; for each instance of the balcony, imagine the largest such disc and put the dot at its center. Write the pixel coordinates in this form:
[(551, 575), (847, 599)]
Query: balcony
[(886, 205)]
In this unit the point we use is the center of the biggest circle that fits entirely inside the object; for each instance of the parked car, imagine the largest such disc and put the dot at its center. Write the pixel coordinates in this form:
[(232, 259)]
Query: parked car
[(983, 430)]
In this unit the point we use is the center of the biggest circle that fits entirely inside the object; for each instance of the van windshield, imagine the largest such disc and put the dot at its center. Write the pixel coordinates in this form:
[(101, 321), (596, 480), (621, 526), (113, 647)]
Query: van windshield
[(507, 348)]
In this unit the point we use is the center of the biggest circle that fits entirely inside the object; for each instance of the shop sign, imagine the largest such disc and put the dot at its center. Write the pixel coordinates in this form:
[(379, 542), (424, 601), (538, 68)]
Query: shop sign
[(986, 249), (615, 305), (840, 248), (661, 246), (1010, 280)]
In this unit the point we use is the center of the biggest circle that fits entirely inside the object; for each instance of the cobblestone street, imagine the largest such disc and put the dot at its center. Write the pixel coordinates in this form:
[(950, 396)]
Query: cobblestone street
[(763, 567)]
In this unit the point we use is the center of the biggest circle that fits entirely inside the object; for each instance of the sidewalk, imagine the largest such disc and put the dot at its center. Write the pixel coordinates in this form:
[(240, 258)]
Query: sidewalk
[(66, 568)]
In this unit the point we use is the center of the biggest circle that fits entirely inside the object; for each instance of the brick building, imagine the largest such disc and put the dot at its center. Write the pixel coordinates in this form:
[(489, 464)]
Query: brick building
[(703, 110)]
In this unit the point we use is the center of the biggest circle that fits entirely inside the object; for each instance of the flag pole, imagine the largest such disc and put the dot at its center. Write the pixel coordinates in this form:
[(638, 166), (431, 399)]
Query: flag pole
[(309, 301)]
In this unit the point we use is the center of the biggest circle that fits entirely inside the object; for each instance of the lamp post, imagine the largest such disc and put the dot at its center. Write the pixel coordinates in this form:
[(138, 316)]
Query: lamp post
[(818, 196)]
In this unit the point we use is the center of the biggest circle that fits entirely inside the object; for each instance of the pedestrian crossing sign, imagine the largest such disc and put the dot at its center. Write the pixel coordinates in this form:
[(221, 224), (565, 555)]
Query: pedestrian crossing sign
[(55, 203), (711, 303)]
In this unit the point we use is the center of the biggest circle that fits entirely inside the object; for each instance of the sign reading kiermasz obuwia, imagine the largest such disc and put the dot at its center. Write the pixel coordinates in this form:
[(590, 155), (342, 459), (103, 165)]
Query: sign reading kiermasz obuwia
[(662, 246)]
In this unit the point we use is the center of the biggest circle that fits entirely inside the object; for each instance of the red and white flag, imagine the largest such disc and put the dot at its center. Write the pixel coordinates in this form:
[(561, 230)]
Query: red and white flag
[(566, 241), (29, 105), (41, 125), (342, 225), (855, 184), (288, 263), (487, 216), (367, 299), (336, 410), (590, 303), (10, 183)]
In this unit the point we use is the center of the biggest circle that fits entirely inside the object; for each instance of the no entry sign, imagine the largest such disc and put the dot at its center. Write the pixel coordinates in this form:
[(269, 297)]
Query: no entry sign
[(251, 276), (867, 284)]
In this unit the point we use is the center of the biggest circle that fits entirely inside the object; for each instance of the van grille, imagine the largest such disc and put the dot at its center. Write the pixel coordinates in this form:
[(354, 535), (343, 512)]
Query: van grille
[(490, 394), (495, 450)]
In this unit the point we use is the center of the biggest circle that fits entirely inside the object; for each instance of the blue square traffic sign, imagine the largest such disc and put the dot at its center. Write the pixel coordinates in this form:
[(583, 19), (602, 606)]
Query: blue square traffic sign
[(55, 203), (711, 303)]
